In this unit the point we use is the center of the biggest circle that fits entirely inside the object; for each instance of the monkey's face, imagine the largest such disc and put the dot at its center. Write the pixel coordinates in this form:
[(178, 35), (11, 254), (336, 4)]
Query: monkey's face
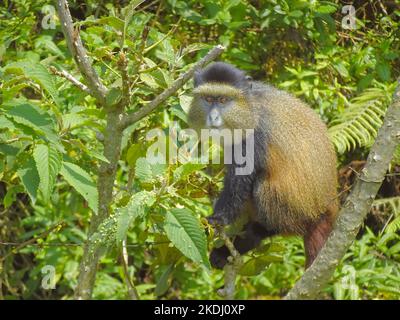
[(216, 106)]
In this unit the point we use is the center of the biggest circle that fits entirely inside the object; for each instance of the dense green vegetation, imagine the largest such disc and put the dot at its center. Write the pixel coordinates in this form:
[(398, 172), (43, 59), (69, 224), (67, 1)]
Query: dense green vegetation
[(51, 132)]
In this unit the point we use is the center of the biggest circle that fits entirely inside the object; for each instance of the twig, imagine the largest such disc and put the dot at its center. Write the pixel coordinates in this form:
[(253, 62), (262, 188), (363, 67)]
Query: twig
[(70, 78), (155, 44), (178, 83), (126, 80), (131, 288), (44, 234), (355, 208), (231, 269), (78, 51)]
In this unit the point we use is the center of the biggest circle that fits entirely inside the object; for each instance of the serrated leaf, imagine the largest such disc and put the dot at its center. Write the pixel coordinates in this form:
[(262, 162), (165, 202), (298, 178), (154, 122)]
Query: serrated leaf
[(135, 208), (147, 172), (48, 164), (143, 170), (71, 120), (37, 73), (186, 234), (29, 177), (82, 182), (35, 118)]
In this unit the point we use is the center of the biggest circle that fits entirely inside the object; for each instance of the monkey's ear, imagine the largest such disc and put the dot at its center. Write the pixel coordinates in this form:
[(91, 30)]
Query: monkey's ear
[(197, 78)]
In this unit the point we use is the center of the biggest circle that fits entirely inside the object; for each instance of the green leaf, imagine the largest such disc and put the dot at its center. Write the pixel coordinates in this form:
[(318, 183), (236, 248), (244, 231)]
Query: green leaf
[(82, 182), (149, 80), (46, 42), (48, 164), (326, 9), (164, 282), (114, 22), (33, 117), (113, 96), (37, 73), (186, 169), (143, 170), (186, 234), (296, 13), (147, 172), (97, 155), (29, 177), (256, 265), (134, 152), (383, 70), (341, 68), (5, 123), (185, 102), (11, 195), (135, 208)]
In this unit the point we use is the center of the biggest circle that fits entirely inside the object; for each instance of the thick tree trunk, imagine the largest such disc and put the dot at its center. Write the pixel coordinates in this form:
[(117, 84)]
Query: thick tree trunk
[(105, 184)]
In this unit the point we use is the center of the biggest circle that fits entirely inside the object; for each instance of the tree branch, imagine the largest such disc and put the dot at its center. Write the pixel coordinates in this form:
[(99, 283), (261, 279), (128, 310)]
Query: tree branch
[(185, 77), (355, 208), (78, 51), (64, 74), (231, 269), (131, 288)]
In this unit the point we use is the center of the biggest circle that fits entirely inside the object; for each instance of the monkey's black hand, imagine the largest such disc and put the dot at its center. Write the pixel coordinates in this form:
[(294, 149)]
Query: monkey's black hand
[(219, 257)]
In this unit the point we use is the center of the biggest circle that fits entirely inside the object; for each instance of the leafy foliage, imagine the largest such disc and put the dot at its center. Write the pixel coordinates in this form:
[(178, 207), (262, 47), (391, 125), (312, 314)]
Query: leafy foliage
[(185, 233), (51, 140), (48, 164), (357, 126)]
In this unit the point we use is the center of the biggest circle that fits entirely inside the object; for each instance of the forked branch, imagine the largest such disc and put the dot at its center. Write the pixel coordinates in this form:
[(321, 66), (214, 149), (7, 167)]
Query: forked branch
[(78, 51)]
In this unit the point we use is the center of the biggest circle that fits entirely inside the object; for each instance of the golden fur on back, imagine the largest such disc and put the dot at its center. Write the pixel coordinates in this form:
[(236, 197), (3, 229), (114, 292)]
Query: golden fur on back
[(301, 181)]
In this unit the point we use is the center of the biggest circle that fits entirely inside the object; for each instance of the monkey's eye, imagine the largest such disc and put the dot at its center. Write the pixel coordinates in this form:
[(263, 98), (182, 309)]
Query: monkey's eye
[(223, 100), (209, 99)]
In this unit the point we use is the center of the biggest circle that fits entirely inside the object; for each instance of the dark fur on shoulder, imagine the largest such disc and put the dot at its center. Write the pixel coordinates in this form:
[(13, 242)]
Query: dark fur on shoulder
[(221, 72)]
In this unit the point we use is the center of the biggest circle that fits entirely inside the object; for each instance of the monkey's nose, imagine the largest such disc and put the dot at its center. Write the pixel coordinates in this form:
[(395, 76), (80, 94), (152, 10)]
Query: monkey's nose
[(214, 119)]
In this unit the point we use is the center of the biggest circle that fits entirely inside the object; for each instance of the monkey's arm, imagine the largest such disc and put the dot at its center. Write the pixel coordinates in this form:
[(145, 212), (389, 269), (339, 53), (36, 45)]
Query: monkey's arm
[(237, 190)]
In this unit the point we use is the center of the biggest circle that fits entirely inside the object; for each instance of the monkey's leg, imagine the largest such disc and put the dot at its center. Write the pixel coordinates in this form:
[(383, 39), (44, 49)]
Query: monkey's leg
[(315, 238), (251, 238)]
